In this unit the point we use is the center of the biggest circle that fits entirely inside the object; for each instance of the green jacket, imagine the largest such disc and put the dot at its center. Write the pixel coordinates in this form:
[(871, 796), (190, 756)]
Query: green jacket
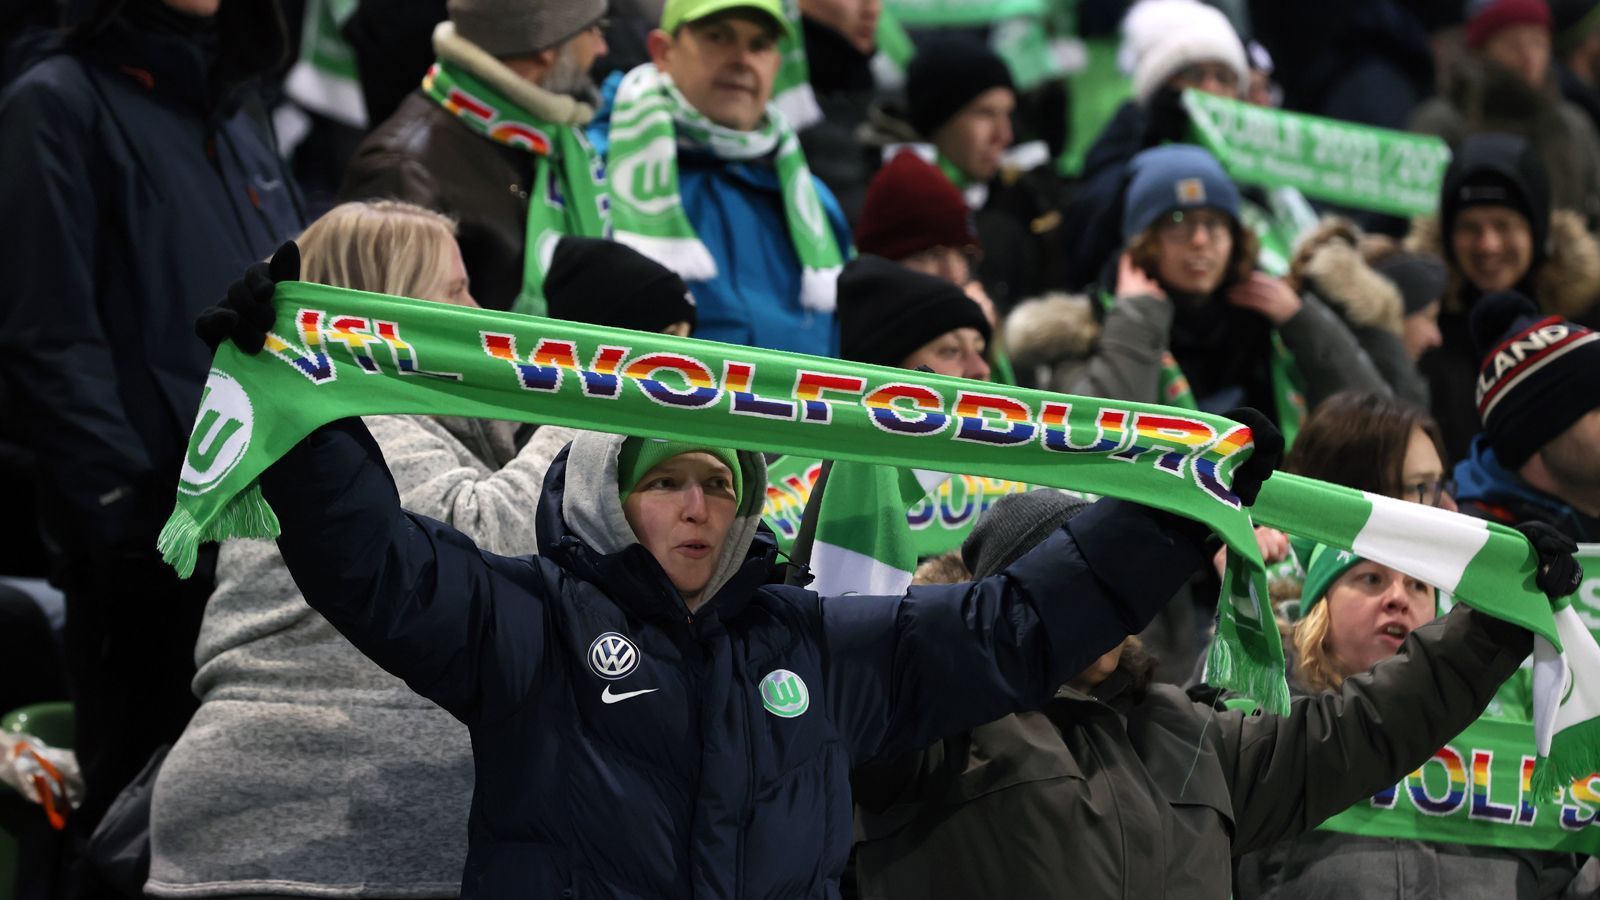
[(1121, 795)]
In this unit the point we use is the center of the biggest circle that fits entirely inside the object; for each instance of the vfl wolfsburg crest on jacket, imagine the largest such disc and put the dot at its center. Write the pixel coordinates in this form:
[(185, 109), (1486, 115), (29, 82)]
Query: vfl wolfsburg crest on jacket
[(784, 694)]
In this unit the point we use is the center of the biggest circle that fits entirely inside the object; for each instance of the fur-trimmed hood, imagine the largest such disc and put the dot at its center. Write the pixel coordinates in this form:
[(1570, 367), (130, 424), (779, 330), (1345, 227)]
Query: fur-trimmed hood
[(1567, 283), (1328, 262), (1051, 328)]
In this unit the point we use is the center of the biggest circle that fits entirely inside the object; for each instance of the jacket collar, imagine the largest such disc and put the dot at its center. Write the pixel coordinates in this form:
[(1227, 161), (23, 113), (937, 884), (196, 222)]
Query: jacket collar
[(557, 109), (1481, 479)]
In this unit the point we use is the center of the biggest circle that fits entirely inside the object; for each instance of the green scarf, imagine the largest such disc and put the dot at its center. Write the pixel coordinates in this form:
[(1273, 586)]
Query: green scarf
[(1288, 385), (568, 195), (335, 353), (791, 89), (650, 122)]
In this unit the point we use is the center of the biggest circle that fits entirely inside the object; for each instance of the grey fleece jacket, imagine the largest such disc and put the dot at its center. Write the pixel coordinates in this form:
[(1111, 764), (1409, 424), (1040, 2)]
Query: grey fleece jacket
[(309, 771)]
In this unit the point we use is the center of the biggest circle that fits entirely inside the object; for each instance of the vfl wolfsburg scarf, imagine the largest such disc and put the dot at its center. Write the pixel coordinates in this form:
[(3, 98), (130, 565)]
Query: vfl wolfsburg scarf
[(335, 353), (791, 89), (650, 122), (568, 195)]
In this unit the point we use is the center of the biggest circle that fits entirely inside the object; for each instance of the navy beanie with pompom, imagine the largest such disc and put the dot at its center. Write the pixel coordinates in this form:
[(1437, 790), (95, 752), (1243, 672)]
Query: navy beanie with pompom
[(1540, 374)]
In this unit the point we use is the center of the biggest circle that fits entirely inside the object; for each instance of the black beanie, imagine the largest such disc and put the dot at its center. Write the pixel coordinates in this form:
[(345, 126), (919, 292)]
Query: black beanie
[(947, 73), (1539, 375), (1496, 170), (1015, 524), (1420, 278), (887, 311), (606, 283)]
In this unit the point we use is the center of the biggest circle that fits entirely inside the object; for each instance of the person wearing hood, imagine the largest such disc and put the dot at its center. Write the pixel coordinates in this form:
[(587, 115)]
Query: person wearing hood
[(139, 177), (1190, 321), (651, 714), (293, 720), (1119, 787), (493, 137), (1393, 326), (1505, 83), (1496, 231), (1538, 391)]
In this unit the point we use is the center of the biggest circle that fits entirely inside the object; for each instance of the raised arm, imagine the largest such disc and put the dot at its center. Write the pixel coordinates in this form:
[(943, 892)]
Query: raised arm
[(904, 671), (1289, 773)]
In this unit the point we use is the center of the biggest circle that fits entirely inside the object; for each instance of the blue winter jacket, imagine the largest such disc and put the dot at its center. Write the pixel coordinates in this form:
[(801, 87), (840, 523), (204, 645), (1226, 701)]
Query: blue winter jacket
[(1487, 490), (625, 746)]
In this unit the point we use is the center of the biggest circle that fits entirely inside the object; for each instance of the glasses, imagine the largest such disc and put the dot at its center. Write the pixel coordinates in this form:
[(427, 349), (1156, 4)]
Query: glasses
[(1183, 225), (1428, 493), (1195, 75)]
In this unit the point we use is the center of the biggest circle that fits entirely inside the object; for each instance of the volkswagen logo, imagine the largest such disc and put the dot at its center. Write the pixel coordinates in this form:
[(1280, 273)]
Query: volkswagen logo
[(613, 656)]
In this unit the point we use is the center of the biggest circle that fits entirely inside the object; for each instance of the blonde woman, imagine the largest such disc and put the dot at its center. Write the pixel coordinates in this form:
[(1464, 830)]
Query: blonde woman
[(308, 770)]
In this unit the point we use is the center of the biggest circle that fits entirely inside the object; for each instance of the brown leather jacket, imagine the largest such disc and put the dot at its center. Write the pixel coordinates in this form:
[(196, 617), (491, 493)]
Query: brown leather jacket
[(1117, 795)]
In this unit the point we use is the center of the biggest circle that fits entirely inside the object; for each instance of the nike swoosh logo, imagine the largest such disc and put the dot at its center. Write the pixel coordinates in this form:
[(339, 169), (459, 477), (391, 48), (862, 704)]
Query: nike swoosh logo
[(607, 697)]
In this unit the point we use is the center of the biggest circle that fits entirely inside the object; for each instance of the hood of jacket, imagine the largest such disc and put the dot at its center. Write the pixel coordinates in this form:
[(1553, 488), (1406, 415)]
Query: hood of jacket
[(1481, 478), (583, 529), (1053, 328), (1328, 262), (1565, 285), (1489, 96)]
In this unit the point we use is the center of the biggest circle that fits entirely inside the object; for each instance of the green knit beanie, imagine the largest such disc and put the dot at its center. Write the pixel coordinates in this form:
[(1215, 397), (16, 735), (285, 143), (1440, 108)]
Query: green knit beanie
[(639, 455), (1326, 565)]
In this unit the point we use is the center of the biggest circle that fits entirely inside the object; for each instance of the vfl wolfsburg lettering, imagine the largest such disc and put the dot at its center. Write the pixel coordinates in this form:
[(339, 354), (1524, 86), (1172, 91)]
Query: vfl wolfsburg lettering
[(221, 434), (784, 694)]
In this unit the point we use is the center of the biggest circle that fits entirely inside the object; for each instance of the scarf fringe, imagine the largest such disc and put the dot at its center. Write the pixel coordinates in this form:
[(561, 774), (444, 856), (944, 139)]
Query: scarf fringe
[(245, 516), (1574, 754), (819, 289), (1229, 667)]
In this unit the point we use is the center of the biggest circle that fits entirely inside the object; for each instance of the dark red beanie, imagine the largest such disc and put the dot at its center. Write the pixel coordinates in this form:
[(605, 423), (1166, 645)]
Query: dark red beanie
[(911, 206), (1501, 14)]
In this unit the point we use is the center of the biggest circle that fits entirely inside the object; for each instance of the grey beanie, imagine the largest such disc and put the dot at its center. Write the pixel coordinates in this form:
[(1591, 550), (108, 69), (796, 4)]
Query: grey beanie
[(521, 27), (1015, 524)]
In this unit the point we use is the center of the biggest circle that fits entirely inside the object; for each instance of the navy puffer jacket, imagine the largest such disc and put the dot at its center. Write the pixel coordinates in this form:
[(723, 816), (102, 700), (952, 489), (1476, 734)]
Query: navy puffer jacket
[(627, 747)]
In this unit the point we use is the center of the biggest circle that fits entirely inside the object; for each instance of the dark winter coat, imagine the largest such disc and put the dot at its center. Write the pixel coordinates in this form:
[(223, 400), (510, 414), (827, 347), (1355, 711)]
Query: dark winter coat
[(1123, 794), (1072, 344), (424, 154), (1487, 490), (841, 77), (1566, 284), (1484, 97), (1328, 263), (620, 743), (135, 191)]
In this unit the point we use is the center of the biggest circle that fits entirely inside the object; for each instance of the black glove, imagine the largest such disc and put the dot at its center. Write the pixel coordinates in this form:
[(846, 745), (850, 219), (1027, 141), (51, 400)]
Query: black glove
[(1559, 574), (246, 313), (1248, 478), (1166, 121)]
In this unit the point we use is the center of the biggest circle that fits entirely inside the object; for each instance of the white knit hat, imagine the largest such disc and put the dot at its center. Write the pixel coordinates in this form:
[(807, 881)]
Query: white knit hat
[(1159, 37)]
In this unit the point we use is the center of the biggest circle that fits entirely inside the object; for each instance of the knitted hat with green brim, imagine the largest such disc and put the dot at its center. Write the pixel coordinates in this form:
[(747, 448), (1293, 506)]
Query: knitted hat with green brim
[(1326, 565), (639, 455)]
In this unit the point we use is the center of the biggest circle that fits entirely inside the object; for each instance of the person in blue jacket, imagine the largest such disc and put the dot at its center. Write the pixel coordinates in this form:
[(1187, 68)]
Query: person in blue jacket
[(718, 60), (653, 714)]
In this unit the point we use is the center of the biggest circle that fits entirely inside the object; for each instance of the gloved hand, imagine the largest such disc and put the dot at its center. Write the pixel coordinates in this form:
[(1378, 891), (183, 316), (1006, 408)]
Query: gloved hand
[(1559, 574), (1248, 478), (246, 313), (1166, 121)]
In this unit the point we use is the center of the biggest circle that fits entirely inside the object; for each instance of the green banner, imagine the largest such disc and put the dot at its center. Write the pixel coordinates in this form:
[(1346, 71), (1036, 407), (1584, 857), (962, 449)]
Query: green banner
[(1352, 165), (953, 13), (1476, 789), (938, 523)]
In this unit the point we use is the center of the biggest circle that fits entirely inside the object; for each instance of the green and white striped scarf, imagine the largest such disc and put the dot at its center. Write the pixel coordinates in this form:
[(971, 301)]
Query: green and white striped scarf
[(568, 195), (650, 123)]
